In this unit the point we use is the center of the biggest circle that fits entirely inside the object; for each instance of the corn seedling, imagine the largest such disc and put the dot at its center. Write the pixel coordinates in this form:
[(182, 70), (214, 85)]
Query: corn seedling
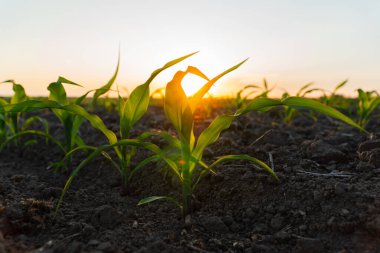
[(289, 113), (241, 100), (188, 165), (71, 121), (13, 125), (368, 101), (130, 111), (332, 99)]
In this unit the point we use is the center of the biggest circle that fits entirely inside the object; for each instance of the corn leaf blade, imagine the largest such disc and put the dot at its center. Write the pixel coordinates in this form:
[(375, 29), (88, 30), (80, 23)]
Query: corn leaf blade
[(155, 198), (310, 104), (102, 90), (245, 158), (194, 100)]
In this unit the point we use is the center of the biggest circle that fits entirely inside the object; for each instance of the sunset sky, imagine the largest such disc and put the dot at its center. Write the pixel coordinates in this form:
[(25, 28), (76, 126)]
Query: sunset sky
[(289, 42)]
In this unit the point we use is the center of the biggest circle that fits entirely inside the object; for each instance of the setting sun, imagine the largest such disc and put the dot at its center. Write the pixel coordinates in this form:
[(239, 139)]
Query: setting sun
[(191, 84)]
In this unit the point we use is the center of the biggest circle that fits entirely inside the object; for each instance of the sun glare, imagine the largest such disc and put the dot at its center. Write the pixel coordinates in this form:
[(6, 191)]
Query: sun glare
[(191, 84)]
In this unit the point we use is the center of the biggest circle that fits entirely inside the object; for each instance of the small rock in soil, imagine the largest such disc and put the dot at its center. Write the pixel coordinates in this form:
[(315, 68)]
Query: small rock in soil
[(249, 213), (340, 188), (331, 221), (17, 178), (260, 227), (88, 230), (309, 245), (188, 221), (50, 192), (364, 166), (214, 224), (369, 145), (373, 225), (276, 137), (75, 247), (238, 245), (282, 235), (324, 152), (344, 212), (105, 216), (317, 196), (302, 227), (106, 247), (228, 220), (277, 222), (155, 246), (259, 248), (93, 243), (374, 157), (234, 227)]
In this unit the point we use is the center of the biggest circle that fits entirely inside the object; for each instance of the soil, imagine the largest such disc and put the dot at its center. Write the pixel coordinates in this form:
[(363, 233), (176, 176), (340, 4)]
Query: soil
[(328, 199)]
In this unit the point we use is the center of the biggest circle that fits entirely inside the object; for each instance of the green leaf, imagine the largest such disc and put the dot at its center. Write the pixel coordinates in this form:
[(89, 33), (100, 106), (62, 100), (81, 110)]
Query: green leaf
[(138, 102), (19, 94), (34, 105), (194, 100), (58, 93), (259, 104), (3, 102), (211, 134), (246, 158), (155, 198), (172, 140), (31, 120), (142, 164), (177, 108), (340, 85), (64, 80), (107, 86), (310, 104), (135, 107), (302, 89), (31, 132), (76, 124), (168, 65)]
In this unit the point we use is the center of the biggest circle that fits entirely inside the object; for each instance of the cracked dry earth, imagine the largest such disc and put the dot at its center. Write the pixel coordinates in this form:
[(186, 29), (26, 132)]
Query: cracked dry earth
[(328, 199)]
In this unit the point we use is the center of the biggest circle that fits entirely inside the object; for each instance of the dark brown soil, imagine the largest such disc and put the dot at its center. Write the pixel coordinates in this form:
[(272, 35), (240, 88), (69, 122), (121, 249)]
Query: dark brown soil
[(328, 199)]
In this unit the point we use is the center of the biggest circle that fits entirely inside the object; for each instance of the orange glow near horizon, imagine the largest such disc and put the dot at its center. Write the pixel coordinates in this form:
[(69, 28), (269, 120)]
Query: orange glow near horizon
[(67, 38)]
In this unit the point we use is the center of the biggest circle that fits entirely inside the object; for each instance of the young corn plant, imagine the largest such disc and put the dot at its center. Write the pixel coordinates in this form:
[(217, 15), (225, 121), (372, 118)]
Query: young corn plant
[(14, 125), (130, 111), (332, 99), (241, 100), (289, 113), (368, 101), (187, 164), (71, 122)]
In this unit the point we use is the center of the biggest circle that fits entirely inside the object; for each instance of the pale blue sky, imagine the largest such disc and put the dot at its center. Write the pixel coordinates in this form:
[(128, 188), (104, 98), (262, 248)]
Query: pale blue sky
[(289, 42)]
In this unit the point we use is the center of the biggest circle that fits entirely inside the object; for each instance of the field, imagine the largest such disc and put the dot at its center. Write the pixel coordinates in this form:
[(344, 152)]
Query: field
[(189, 174)]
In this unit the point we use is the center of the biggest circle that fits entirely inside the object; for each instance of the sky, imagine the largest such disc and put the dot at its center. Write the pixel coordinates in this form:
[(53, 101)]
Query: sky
[(289, 42)]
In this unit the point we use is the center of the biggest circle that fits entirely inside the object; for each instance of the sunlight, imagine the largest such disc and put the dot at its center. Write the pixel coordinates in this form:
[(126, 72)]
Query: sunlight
[(191, 84)]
